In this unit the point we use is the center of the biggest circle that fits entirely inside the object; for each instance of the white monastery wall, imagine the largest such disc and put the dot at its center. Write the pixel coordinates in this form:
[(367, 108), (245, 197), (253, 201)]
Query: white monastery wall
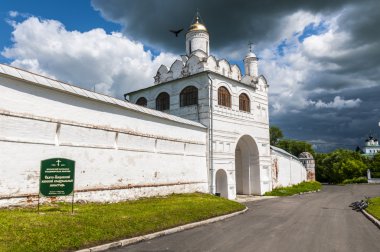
[(124, 151), (120, 153), (287, 170)]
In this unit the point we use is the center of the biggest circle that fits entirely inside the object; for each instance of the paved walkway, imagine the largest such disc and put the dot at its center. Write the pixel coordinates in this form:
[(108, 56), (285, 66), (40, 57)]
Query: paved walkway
[(310, 222)]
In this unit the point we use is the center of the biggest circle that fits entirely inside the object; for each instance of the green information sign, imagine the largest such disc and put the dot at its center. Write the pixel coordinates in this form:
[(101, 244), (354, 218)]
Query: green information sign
[(57, 177)]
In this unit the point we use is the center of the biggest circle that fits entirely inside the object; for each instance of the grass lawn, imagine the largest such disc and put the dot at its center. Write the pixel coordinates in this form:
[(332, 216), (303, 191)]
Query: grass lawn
[(22, 229), (374, 207), (295, 189)]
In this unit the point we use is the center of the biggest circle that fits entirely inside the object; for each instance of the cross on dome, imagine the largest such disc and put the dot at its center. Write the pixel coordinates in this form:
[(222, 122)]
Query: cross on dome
[(250, 54), (250, 44), (197, 23)]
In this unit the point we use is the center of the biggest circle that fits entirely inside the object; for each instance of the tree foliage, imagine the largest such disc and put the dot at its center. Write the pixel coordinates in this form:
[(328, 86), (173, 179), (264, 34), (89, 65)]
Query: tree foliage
[(295, 147), (374, 165), (275, 135), (334, 167), (339, 165)]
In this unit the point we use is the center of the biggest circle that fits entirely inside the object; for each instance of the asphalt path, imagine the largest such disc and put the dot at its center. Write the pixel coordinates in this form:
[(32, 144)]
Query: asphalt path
[(310, 222)]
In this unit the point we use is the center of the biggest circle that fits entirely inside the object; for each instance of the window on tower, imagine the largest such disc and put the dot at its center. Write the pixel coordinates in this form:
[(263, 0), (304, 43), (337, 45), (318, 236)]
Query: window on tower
[(189, 96), (190, 46), (142, 101), (244, 103), (163, 101), (224, 97)]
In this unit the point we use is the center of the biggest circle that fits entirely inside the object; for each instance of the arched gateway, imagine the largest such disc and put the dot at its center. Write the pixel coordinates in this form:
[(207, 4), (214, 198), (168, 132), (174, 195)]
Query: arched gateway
[(247, 166)]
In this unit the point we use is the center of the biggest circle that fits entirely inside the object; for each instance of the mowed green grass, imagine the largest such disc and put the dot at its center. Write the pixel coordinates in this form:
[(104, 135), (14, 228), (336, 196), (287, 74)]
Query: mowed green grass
[(374, 207), (295, 189), (22, 229)]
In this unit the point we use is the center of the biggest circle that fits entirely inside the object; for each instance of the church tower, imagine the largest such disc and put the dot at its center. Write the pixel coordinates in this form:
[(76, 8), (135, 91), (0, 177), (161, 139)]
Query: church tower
[(250, 63), (197, 37)]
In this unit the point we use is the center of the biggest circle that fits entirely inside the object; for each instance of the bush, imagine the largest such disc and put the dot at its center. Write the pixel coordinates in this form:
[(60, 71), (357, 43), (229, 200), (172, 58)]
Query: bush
[(375, 174), (295, 189), (360, 180), (340, 165)]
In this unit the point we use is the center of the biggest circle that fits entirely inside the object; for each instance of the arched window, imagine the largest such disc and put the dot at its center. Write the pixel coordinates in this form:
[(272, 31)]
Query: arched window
[(163, 101), (244, 103), (189, 96), (142, 101), (224, 97)]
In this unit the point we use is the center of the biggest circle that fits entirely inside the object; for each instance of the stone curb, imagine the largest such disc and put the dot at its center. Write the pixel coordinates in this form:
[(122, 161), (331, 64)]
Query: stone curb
[(308, 192), (133, 240), (371, 218), (245, 200)]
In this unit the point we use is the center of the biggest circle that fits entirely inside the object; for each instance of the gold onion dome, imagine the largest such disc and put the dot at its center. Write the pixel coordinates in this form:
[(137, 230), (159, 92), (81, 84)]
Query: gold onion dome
[(197, 25)]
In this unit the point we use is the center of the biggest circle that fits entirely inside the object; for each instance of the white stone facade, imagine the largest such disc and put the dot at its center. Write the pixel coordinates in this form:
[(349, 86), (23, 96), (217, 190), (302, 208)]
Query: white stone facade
[(239, 160), (122, 151), (229, 127), (213, 139)]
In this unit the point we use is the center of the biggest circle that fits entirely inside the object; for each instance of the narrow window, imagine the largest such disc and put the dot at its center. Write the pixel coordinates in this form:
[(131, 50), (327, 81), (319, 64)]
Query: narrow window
[(244, 103), (163, 101), (224, 97), (207, 47), (142, 101), (189, 96), (190, 46)]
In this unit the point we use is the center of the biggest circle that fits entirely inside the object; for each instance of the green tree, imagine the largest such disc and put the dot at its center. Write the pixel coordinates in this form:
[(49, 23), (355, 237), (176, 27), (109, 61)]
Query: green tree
[(374, 165), (295, 147), (275, 135), (339, 165)]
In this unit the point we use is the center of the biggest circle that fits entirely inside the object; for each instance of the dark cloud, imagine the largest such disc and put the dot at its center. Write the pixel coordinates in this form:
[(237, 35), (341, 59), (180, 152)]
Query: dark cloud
[(229, 22), (355, 75), (339, 128)]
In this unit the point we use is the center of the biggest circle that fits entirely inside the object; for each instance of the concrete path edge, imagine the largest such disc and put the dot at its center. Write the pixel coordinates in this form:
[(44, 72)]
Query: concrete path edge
[(371, 218), (126, 242)]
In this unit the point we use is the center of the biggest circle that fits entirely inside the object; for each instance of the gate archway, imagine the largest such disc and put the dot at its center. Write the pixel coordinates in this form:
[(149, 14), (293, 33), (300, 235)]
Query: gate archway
[(247, 166)]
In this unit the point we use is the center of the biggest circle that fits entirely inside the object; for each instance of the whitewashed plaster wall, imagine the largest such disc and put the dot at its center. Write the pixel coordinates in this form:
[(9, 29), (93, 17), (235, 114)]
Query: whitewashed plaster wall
[(233, 130), (226, 125), (287, 170), (120, 153)]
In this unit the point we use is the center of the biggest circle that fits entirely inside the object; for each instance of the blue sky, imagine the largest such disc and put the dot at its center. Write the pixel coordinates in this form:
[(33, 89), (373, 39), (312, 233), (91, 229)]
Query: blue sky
[(323, 65), (74, 14)]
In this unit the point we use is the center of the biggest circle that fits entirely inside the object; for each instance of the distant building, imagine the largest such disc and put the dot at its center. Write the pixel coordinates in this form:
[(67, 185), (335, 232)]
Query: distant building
[(371, 146)]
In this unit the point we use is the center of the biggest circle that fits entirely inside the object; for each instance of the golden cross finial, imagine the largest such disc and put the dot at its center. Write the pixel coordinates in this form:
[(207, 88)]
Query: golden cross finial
[(250, 44)]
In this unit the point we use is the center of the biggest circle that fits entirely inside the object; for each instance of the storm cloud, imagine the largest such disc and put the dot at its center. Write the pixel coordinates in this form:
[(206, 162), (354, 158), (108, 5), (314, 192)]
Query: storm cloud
[(322, 58)]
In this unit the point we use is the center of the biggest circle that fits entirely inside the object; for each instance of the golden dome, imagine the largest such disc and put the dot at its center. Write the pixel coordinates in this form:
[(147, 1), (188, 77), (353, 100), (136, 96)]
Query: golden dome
[(197, 25)]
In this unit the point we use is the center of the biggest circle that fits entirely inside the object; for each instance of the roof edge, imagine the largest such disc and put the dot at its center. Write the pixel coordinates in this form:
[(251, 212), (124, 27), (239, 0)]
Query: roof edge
[(68, 88)]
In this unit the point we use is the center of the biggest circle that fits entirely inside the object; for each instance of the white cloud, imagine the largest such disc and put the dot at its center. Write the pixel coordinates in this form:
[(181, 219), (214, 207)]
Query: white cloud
[(337, 103), (291, 71), (13, 13), (112, 63), (296, 22)]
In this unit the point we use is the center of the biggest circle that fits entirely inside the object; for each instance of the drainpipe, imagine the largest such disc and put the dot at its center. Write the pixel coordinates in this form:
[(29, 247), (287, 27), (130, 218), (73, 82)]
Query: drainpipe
[(211, 137)]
